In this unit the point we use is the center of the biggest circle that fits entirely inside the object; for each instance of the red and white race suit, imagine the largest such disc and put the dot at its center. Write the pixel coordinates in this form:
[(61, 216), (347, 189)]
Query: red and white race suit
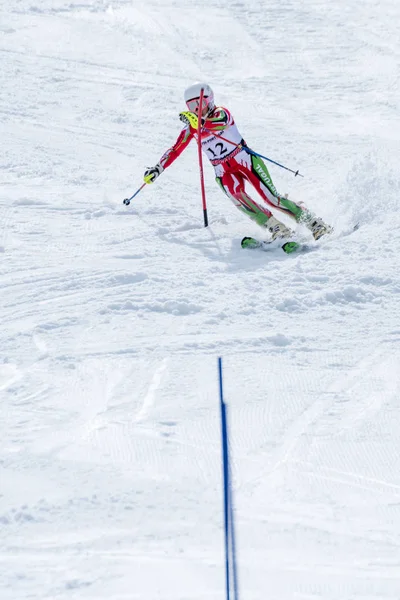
[(223, 144)]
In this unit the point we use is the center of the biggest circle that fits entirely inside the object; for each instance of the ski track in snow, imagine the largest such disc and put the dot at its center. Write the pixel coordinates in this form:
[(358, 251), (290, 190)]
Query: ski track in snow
[(112, 318)]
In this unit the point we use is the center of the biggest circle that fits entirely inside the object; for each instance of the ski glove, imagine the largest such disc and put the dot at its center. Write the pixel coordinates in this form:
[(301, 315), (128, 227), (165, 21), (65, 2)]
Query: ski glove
[(191, 119), (152, 173)]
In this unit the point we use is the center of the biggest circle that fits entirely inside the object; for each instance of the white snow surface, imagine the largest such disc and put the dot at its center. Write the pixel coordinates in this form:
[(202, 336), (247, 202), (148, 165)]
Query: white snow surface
[(112, 317)]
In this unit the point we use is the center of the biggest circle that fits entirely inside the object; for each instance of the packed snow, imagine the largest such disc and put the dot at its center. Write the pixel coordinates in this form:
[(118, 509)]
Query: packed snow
[(112, 317)]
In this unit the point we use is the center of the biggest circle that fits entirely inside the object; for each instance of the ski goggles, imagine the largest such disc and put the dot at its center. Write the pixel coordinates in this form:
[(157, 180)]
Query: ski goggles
[(193, 105)]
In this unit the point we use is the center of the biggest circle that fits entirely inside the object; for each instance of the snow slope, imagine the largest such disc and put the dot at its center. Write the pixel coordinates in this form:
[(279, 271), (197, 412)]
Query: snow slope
[(112, 318)]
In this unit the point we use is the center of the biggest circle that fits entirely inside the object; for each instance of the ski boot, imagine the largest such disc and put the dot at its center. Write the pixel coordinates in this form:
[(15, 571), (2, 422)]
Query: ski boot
[(278, 229), (318, 228), (316, 225)]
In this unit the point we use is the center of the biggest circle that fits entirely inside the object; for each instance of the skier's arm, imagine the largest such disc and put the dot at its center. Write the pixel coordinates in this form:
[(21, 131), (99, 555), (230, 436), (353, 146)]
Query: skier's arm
[(181, 143), (170, 155)]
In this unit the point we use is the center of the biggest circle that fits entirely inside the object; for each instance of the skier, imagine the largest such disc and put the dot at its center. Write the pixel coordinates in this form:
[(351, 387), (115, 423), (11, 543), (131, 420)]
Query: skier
[(234, 165)]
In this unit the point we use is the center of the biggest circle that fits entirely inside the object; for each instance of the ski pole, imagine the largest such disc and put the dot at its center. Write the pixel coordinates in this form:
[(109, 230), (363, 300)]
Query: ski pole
[(256, 154), (274, 162), (127, 201)]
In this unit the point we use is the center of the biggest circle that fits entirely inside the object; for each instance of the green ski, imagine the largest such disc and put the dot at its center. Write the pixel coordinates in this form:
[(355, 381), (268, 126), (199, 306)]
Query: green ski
[(288, 247)]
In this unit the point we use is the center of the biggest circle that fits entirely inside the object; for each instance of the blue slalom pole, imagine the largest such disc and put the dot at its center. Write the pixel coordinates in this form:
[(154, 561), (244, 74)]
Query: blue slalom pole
[(229, 529), (225, 474), (127, 201)]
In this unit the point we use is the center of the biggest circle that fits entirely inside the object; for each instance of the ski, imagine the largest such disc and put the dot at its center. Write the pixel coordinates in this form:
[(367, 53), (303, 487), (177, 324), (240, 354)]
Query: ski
[(288, 247)]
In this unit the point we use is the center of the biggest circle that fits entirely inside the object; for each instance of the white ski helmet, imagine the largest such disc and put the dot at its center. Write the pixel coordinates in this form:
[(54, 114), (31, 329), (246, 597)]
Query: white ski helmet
[(192, 97)]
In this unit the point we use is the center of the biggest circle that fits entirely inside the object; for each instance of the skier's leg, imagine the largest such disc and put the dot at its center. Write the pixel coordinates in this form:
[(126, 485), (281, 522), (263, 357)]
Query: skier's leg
[(233, 185), (261, 180)]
